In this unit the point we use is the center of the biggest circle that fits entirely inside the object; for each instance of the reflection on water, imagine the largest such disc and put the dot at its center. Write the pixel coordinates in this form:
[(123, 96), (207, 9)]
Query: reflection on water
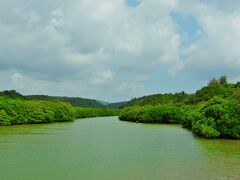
[(222, 158), (221, 147), (105, 148)]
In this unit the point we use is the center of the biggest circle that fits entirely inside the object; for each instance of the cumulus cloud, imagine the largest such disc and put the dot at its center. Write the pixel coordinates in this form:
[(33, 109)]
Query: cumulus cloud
[(216, 50), (106, 49), (102, 78)]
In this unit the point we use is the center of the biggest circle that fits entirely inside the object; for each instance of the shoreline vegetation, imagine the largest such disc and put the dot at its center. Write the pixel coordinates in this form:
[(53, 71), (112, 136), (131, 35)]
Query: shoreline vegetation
[(18, 111), (211, 112)]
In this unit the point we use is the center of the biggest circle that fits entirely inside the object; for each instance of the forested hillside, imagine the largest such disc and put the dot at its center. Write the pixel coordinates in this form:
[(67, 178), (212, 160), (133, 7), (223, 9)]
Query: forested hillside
[(116, 105), (211, 112), (216, 87), (75, 101), (157, 99)]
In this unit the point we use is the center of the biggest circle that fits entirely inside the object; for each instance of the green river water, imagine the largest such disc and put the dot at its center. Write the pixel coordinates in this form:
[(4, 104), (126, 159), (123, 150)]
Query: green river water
[(106, 148)]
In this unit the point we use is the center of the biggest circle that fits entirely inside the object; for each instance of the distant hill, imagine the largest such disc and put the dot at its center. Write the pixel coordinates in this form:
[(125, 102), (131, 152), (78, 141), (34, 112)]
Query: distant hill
[(103, 102), (157, 99), (75, 101), (11, 94), (117, 105), (216, 87)]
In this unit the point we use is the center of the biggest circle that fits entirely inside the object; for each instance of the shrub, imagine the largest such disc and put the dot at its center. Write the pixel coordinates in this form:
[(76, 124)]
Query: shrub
[(153, 114), (18, 111)]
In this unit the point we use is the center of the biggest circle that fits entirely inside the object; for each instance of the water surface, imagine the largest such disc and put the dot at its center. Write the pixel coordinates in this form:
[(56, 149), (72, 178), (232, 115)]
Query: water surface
[(105, 148)]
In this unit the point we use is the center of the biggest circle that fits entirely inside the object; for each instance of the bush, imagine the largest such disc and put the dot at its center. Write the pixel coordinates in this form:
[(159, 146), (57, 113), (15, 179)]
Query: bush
[(130, 114), (153, 114), (206, 127), (95, 112), (220, 118), (5, 120), (190, 116), (18, 111), (217, 117)]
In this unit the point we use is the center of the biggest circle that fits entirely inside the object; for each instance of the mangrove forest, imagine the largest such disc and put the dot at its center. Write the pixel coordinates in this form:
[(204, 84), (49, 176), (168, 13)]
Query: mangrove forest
[(211, 112)]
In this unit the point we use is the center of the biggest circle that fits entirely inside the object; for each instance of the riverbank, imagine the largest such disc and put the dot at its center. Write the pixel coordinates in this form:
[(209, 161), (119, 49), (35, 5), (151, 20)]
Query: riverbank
[(216, 118), (18, 112)]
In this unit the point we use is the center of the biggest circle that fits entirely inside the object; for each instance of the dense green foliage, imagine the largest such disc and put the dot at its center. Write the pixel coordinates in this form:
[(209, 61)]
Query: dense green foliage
[(75, 101), (19, 111), (211, 112), (216, 87), (95, 112), (219, 118), (12, 94), (158, 99), (116, 105), (153, 114), (16, 112)]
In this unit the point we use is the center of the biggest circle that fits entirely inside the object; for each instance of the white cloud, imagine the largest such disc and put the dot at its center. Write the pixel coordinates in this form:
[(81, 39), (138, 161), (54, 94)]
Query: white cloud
[(17, 78), (57, 18), (87, 44), (130, 89), (217, 49), (102, 78)]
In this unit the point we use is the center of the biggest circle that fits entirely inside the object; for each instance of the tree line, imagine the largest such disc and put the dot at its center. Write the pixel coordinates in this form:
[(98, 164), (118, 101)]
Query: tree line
[(211, 112), (75, 101), (19, 111)]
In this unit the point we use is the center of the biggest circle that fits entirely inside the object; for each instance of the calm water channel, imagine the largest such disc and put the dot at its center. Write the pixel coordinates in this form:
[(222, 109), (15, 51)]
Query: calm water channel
[(106, 148)]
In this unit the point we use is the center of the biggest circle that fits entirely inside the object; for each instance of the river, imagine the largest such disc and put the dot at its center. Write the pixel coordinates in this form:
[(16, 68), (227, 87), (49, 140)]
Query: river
[(106, 148)]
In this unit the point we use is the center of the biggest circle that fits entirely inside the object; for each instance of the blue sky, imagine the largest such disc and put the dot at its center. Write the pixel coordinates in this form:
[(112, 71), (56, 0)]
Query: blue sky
[(117, 50), (188, 27), (133, 3)]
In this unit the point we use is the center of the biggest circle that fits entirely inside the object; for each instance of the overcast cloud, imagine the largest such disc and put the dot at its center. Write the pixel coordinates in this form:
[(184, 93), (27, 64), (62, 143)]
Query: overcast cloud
[(117, 50)]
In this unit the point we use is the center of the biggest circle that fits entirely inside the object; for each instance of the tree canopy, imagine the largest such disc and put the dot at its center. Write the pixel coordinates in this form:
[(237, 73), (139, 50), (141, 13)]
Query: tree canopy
[(211, 112)]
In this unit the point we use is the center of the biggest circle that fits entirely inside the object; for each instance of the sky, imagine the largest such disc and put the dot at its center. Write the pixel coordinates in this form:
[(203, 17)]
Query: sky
[(117, 50)]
